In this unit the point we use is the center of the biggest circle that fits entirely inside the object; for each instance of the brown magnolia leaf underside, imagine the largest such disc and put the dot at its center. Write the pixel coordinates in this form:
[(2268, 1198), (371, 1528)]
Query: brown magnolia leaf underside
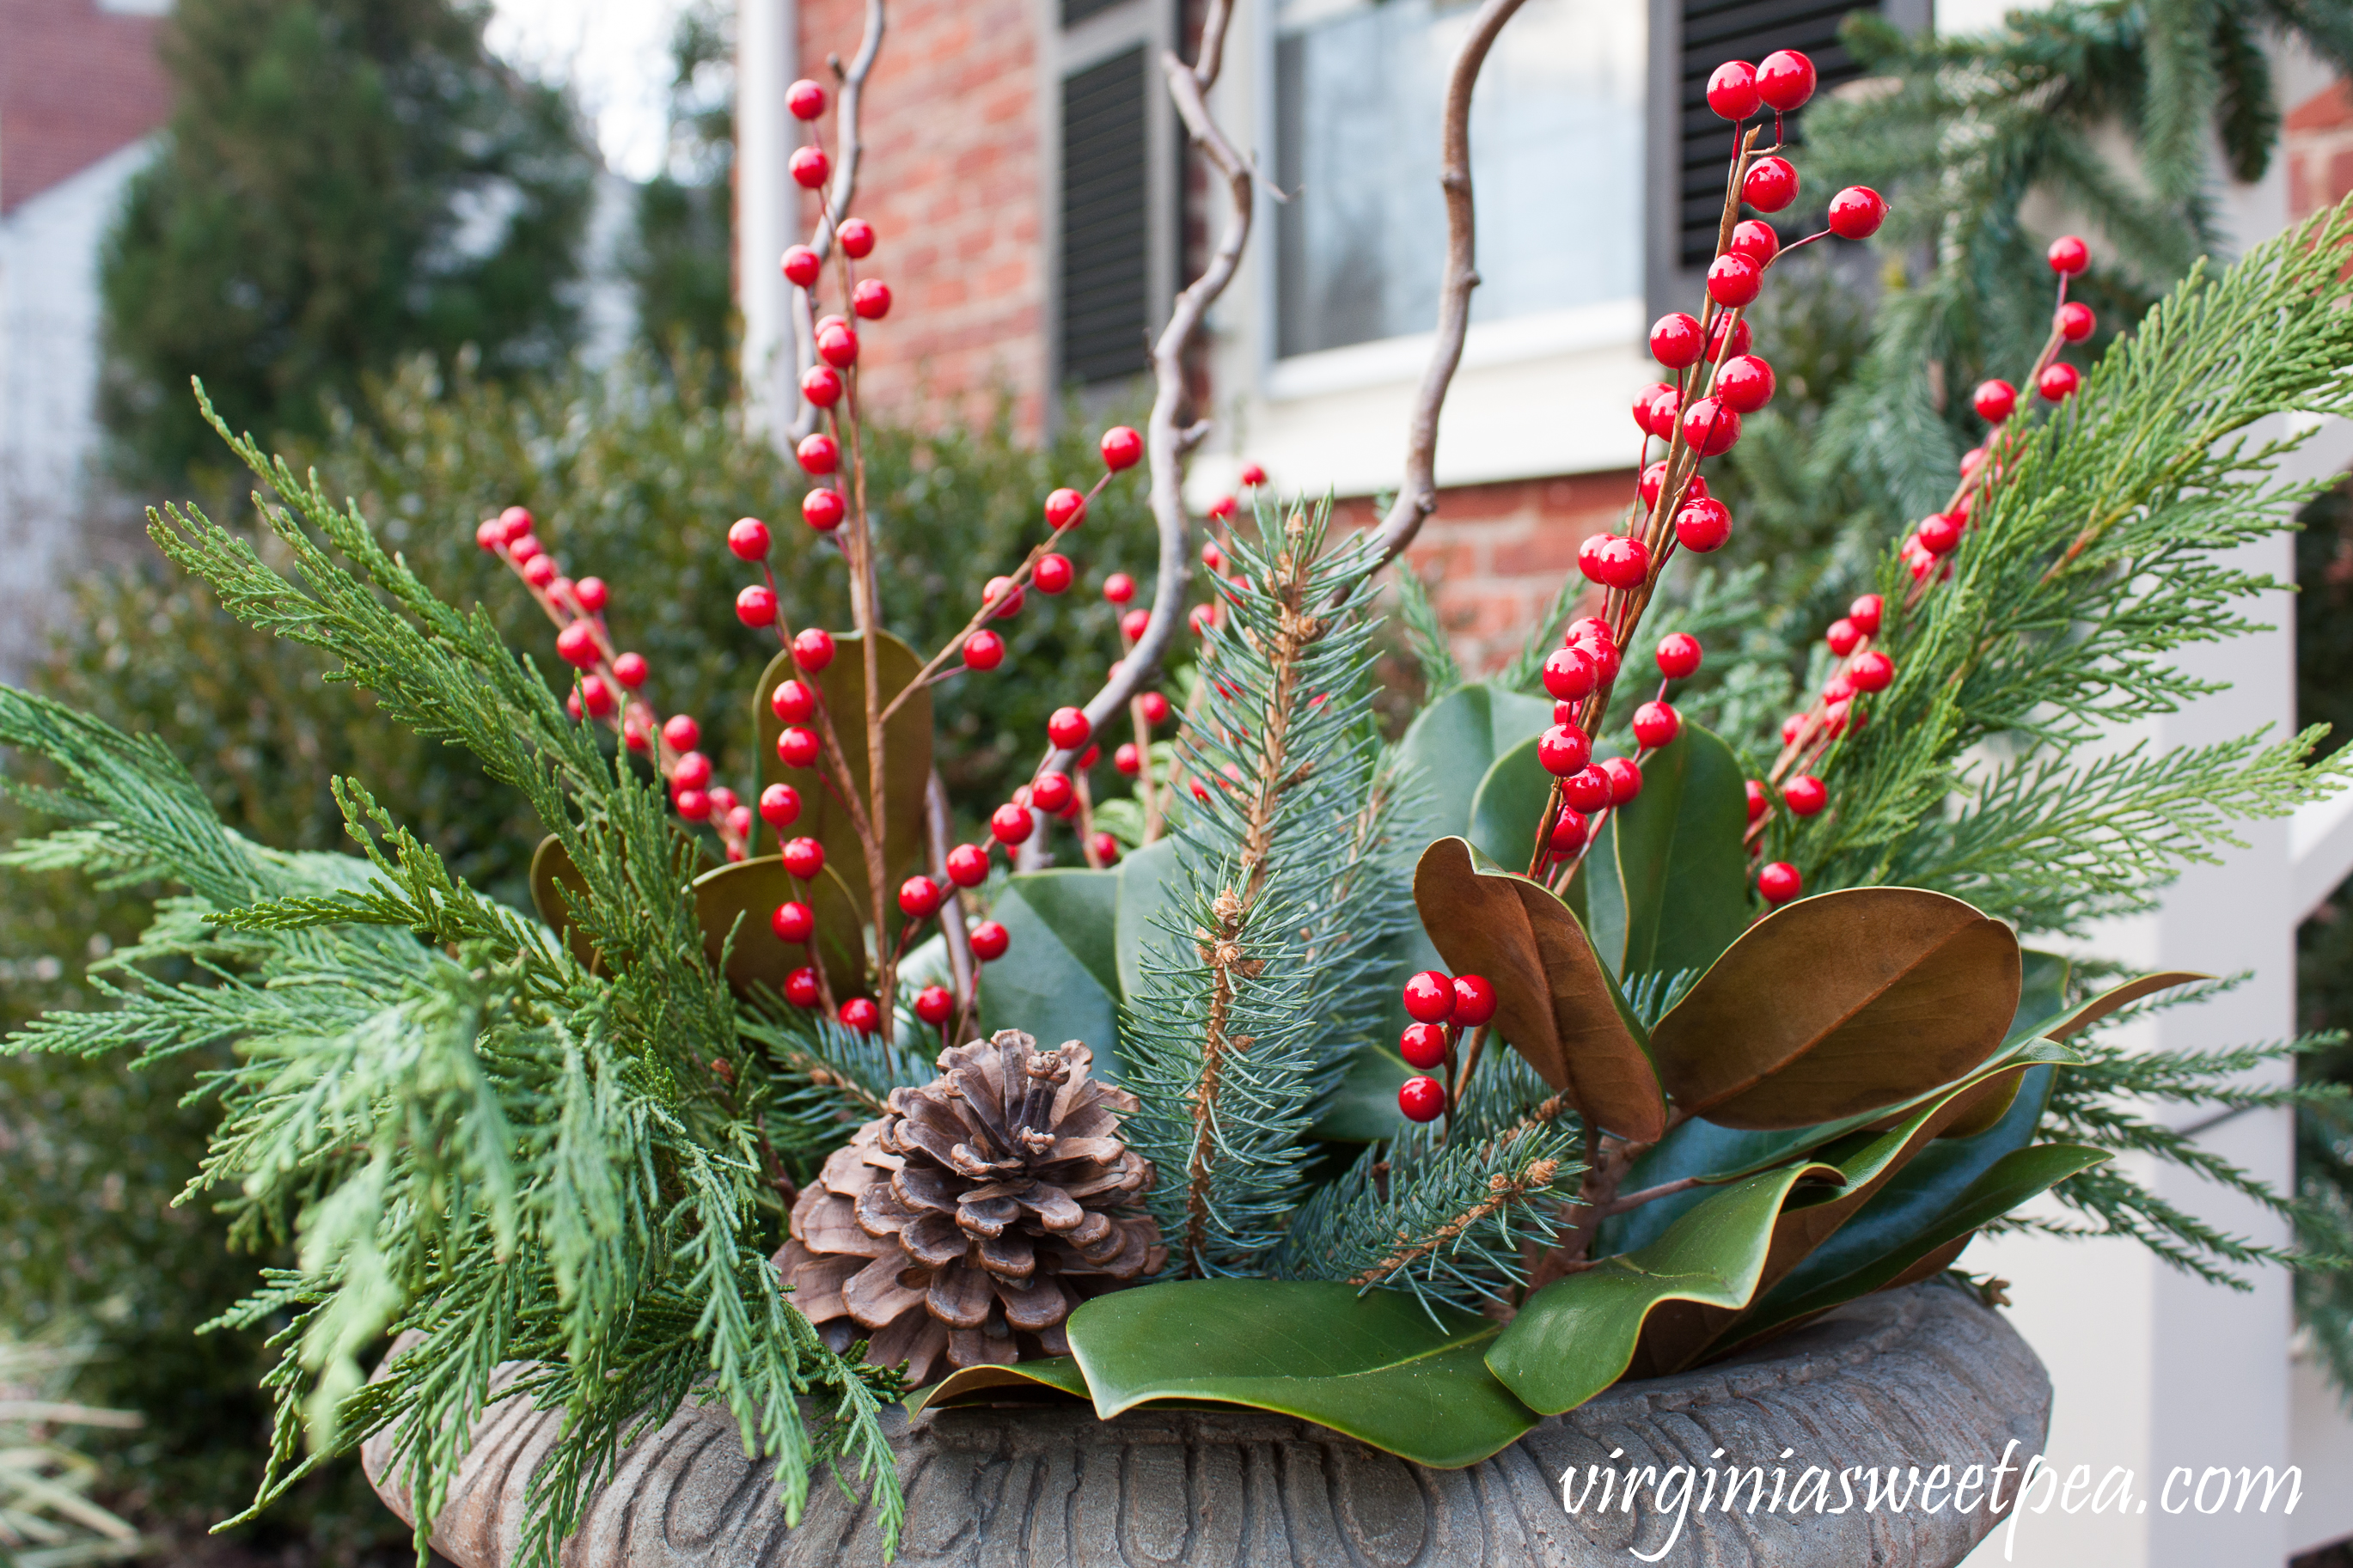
[(1839, 1002), (552, 875), (1553, 1001), (2115, 1001)]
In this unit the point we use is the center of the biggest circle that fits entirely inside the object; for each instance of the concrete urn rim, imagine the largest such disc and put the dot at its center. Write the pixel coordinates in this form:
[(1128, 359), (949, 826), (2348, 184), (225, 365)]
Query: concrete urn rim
[(1915, 1378)]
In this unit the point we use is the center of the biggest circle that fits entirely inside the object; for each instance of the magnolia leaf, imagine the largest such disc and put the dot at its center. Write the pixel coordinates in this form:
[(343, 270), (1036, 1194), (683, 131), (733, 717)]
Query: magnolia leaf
[(1058, 1374), (1554, 1003), (1150, 882), (1666, 883), (1364, 1108), (552, 877), (1577, 1335), (1452, 743), (907, 771), (1680, 1333), (2116, 1000), (734, 904), (1058, 979), (2041, 991), (1931, 1248), (1377, 1366), (1510, 805), (1836, 1004)]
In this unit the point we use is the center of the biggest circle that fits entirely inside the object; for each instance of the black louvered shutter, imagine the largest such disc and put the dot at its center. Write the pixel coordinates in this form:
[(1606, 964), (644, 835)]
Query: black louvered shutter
[(1106, 231), (1077, 11), (1715, 31)]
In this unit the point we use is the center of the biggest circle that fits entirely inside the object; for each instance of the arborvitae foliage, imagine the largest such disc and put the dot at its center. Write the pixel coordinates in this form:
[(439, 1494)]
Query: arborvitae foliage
[(2096, 556), (1274, 965), (343, 181)]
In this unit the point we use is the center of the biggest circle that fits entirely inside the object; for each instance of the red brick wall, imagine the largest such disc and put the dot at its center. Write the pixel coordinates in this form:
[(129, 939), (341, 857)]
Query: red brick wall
[(953, 182), (76, 83), (1495, 555), (2318, 136)]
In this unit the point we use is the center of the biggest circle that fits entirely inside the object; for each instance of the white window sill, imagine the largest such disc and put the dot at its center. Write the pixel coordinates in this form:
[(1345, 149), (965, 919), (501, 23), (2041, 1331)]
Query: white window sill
[(1609, 324)]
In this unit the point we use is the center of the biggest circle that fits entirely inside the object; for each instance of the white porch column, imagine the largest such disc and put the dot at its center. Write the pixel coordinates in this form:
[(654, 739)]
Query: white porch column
[(767, 48)]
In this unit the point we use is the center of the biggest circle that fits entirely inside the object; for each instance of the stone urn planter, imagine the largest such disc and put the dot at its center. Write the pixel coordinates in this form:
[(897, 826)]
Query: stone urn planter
[(1918, 1377)]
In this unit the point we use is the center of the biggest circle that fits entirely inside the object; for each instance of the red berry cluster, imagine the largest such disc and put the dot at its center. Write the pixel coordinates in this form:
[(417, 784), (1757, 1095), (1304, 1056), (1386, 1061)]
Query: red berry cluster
[(1441, 1006), (605, 683)]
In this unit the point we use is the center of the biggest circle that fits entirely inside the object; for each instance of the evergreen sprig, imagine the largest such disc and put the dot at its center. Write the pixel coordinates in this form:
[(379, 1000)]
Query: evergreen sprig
[(1272, 965)]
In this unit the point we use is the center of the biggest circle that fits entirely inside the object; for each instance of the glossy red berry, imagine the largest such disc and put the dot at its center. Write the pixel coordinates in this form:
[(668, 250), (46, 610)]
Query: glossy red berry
[(1703, 525), (1119, 588), (2075, 321), (793, 921), (801, 265), (809, 167), (1710, 428), (1866, 613), (813, 649), (870, 300), (591, 595), (1625, 779), (1618, 561), (1785, 79), (984, 650), (838, 346), (968, 865), (1653, 479), (1656, 724), (1733, 280), (1805, 795), (1872, 671), (1155, 708), (1127, 759), (1132, 624), (1069, 728), (793, 700), (1422, 1098), (1842, 637), (1679, 655), (755, 605), (1474, 1000), (1757, 802), (1779, 882), (1223, 507), (1605, 656), (1589, 792), (1052, 792), (489, 534), (1010, 824), (1568, 674), (1429, 997), (1744, 382), (1053, 573), (1212, 557), (1994, 400), (1252, 475), (920, 897), (2058, 382), (934, 1003), (821, 385), (1065, 509), (1568, 831), (1938, 534), (1654, 409), (823, 509), (1563, 749), (1755, 239), (1837, 688), (804, 858), (682, 735), (722, 800), (1587, 630), (1857, 212), (2069, 255), (576, 645), (805, 99), (1422, 1045), (1732, 90), (861, 1014), (1122, 447), (1676, 340), (693, 805), (596, 697), (1769, 185), (1724, 325), (797, 747), (1105, 847), (801, 988), (515, 522), (780, 805), (857, 237), (539, 571), (819, 454), (990, 940), (526, 550)]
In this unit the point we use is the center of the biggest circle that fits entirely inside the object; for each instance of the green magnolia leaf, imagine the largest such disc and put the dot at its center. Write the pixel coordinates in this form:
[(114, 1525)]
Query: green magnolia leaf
[(2116, 999), (1058, 979), (1666, 883), (1578, 1335), (1377, 1366), (1554, 1003), (1837, 1003), (737, 901), (1509, 806), (1149, 882), (1452, 743), (1059, 1374), (2042, 992), (1364, 1108), (2009, 1181), (844, 895)]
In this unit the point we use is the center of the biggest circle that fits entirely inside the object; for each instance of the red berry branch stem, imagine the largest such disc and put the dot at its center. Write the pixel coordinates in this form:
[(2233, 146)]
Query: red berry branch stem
[(852, 84)]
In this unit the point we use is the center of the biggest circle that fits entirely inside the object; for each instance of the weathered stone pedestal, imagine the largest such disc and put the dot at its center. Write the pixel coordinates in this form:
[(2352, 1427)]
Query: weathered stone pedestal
[(1922, 1377)]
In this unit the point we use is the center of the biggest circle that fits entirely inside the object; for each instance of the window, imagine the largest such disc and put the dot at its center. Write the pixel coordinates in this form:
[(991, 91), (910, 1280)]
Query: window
[(1557, 159), (1106, 221)]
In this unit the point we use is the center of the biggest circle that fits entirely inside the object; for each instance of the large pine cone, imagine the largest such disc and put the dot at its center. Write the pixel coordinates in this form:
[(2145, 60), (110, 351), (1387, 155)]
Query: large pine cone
[(972, 1217)]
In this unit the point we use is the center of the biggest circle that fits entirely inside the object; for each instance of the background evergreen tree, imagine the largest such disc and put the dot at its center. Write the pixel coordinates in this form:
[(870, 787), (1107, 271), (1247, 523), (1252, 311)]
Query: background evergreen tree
[(681, 262), (344, 182)]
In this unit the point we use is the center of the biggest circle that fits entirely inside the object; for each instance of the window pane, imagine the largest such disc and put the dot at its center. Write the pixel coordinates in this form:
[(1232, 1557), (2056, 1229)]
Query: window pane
[(1556, 154)]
